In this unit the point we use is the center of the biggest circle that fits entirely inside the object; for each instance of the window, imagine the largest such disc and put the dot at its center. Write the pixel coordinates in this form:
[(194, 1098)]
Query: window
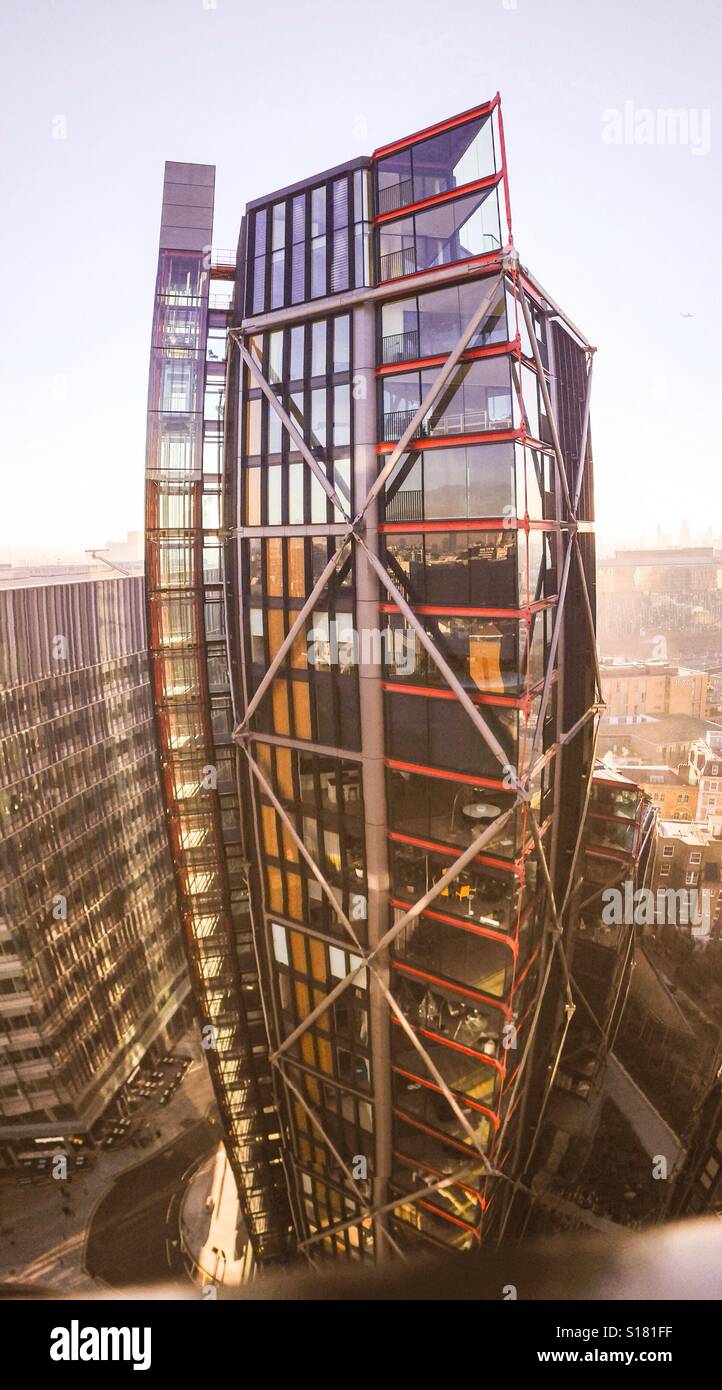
[(440, 235), (318, 348), (318, 242), (477, 398), (341, 343), (455, 157), (339, 258), (296, 360), (259, 262), (216, 345), (280, 943), (257, 641)]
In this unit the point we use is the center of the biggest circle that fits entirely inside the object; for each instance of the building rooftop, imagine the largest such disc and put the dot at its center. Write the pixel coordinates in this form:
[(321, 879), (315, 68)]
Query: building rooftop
[(689, 832), (34, 576), (619, 666), (657, 730)]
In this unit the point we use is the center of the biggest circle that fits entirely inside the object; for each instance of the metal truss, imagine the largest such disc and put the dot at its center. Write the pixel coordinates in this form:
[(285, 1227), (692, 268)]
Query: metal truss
[(353, 531)]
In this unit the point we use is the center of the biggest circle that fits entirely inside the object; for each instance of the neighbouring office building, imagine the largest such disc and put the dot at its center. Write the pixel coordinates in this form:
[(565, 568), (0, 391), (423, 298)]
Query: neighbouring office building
[(92, 970), (370, 567)]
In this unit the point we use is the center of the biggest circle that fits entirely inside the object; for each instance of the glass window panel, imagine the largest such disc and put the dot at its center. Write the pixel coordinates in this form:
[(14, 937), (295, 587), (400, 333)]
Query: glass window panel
[(454, 231), (275, 431), (394, 181), (319, 502), (274, 566), (318, 417), (341, 343), (490, 471), (400, 330), (254, 564), (318, 348), (253, 496), (259, 284), (296, 364), (260, 232), (296, 567), (279, 226), (275, 478), (299, 218), (211, 511), (278, 263), (341, 415), (216, 342), (298, 273), (342, 483), (296, 473), (213, 453), (494, 328), (177, 384), (253, 427), (339, 260), (339, 195), (258, 651), (318, 211), (275, 356), (445, 483), (396, 248), (318, 267), (456, 157)]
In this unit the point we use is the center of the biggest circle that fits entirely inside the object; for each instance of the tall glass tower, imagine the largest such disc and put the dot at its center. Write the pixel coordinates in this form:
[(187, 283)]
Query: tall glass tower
[(371, 566)]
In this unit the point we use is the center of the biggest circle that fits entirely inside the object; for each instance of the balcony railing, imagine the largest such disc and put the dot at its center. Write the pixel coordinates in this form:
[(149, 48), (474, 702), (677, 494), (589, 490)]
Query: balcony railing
[(397, 421), (396, 195), (396, 263), (222, 258), (405, 505), (400, 347), (474, 421)]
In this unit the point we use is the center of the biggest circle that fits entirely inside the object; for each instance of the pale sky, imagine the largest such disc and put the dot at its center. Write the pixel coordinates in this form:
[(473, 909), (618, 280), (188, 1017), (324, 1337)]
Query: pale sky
[(625, 235)]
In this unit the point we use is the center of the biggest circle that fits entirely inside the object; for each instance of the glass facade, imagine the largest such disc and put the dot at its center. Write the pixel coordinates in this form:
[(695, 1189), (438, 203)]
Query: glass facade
[(361, 774), (189, 655), (91, 964)]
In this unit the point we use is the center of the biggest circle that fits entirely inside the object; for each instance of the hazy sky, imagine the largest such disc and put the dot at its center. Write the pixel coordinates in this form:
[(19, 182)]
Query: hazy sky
[(624, 234)]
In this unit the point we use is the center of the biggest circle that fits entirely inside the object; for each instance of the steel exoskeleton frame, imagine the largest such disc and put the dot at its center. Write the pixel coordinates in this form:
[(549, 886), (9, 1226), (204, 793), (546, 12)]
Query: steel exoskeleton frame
[(352, 532)]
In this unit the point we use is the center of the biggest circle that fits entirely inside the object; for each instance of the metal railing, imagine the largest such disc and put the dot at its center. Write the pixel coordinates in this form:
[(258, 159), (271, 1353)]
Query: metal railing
[(396, 263), (400, 347), (470, 421), (405, 505), (396, 195), (397, 421), (222, 258)]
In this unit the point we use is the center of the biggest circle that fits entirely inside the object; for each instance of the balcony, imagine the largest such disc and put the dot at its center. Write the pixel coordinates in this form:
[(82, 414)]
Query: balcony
[(396, 195), (223, 262), (397, 421), (406, 505), (400, 347), (396, 263), (469, 421)]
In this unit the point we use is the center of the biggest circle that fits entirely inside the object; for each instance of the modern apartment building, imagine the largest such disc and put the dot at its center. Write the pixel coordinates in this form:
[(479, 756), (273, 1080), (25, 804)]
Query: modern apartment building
[(92, 970), (371, 593), (688, 862), (705, 775), (653, 688)]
